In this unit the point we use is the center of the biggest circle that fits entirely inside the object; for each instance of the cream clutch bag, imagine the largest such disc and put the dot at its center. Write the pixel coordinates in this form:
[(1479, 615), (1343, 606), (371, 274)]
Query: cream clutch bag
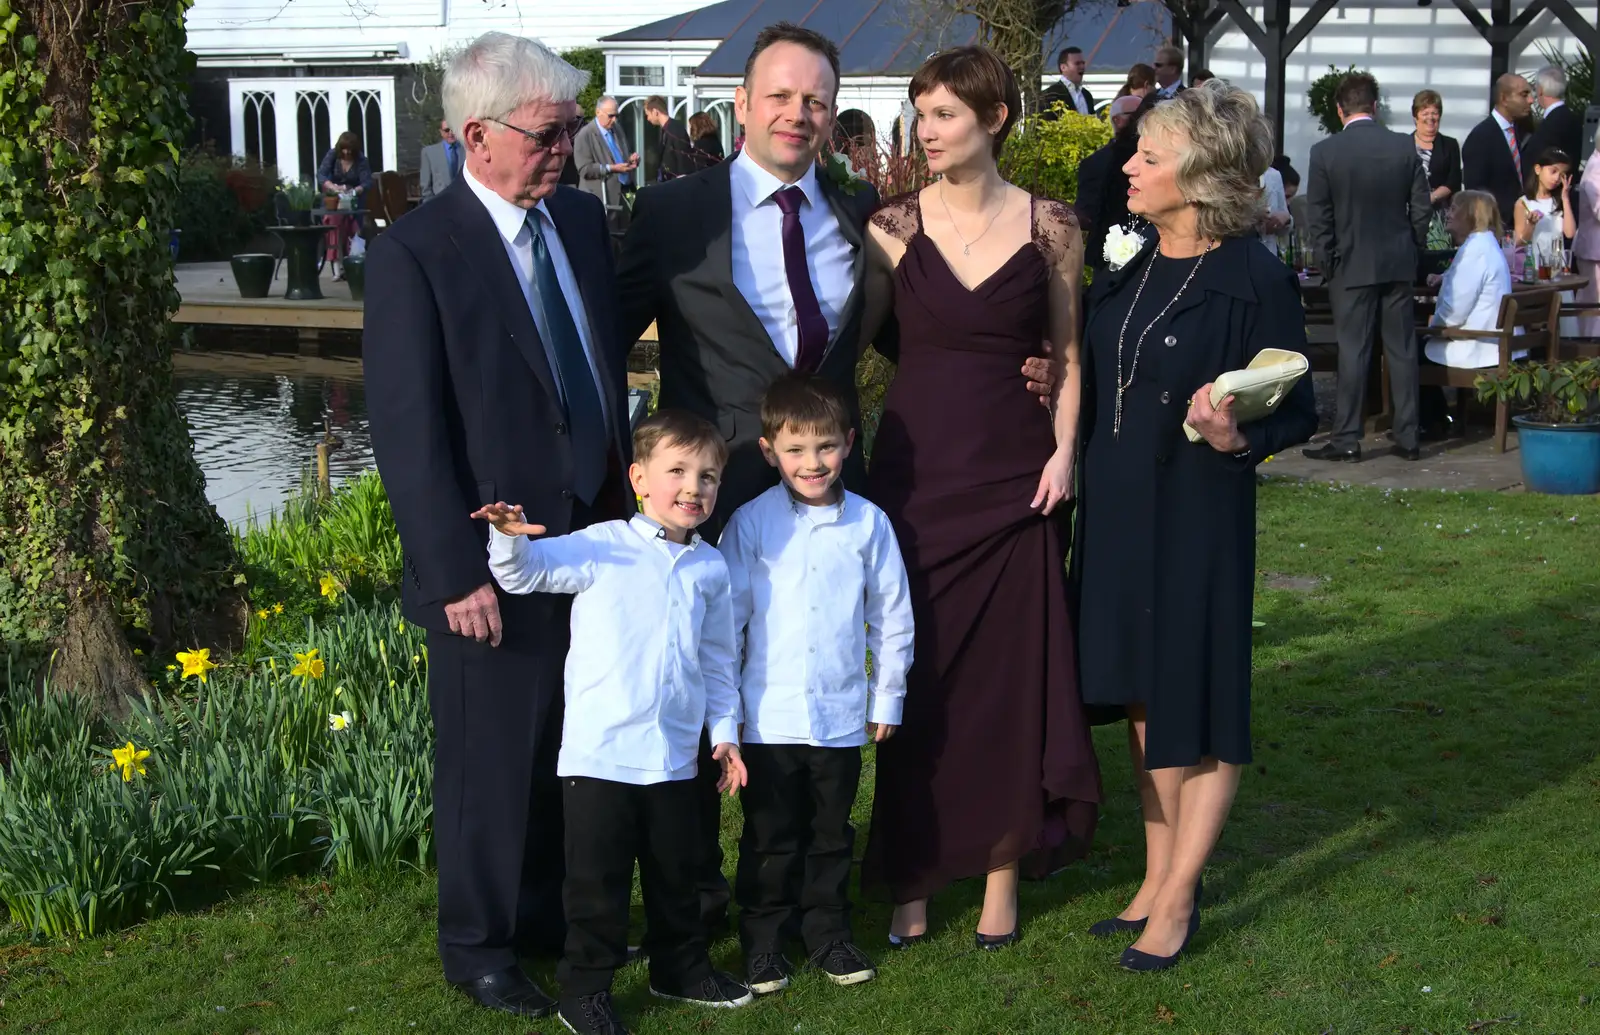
[(1258, 388)]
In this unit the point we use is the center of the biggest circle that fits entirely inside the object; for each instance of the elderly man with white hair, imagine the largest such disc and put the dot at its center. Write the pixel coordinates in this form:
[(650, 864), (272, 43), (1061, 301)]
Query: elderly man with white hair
[(494, 371), (1559, 126)]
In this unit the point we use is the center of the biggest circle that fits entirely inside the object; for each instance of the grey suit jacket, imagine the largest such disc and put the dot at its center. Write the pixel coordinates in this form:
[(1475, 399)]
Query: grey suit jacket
[(435, 175), (1367, 203), (592, 157)]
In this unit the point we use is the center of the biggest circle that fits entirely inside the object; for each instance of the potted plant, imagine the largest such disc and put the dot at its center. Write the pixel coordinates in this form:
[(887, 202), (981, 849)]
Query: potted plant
[(300, 199), (1558, 437), (1320, 99)]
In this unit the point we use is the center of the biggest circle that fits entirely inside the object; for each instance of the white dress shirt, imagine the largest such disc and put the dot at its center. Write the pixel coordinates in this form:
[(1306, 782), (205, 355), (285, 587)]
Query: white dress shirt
[(652, 658), (1076, 93), (758, 269), (512, 222), (1277, 204), (1469, 299), (814, 589)]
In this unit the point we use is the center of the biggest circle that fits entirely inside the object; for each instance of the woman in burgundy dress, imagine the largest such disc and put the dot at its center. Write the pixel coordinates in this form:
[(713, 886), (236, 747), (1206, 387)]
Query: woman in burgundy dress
[(992, 771)]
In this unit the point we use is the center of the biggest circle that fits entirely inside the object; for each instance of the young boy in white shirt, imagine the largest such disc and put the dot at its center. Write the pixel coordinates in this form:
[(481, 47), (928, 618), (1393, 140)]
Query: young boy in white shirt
[(652, 661), (817, 583)]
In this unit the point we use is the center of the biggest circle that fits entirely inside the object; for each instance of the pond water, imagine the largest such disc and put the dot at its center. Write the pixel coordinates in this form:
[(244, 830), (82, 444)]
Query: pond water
[(256, 420)]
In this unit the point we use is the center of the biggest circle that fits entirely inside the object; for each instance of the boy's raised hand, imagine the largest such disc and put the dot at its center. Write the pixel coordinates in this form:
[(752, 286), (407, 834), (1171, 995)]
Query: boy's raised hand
[(734, 774), (508, 519)]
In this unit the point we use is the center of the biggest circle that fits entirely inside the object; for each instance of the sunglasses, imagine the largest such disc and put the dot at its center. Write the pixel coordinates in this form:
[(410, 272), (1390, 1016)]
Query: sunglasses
[(548, 137)]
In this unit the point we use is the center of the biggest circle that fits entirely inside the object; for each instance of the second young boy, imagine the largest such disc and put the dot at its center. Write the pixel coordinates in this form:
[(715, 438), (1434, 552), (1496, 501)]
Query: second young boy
[(818, 582)]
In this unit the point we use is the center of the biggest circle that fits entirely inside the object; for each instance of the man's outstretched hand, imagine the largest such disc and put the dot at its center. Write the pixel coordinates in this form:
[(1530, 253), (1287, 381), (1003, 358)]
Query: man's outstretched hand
[(1041, 374), (509, 520)]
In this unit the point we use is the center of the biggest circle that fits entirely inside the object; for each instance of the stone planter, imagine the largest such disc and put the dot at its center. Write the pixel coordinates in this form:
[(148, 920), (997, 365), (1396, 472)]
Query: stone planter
[(355, 274), (253, 273)]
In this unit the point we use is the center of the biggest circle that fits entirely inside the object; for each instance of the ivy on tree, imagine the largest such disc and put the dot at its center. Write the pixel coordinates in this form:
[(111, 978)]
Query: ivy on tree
[(105, 531)]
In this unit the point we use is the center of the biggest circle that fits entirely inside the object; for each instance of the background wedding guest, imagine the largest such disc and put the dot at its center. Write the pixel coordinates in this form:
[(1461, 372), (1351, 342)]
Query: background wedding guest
[(1141, 81), (672, 146), (1200, 75), (607, 168), (1470, 292), (1440, 154), (1586, 245), (1275, 219), (1112, 208), (705, 141), (1560, 127), (1069, 89), (1493, 156), (441, 162), (1095, 172), (1169, 71), (344, 170), (1164, 558), (1367, 203)]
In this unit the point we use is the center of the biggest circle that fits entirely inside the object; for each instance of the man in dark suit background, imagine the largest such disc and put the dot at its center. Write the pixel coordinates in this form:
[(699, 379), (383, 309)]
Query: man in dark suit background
[(1559, 126), (1094, 176), (1367, 201), (673, 157), (1169, 72), (494, 371), (1494, 156), (1068, 90)]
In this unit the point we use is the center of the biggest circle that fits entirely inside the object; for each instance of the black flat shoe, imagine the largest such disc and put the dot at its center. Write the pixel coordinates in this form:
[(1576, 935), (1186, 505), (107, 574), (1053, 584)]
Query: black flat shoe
[(995, 942), (1413, 454), (906, 941), (1116, 925), (1144, 963), (509, 991), (1333, 452)]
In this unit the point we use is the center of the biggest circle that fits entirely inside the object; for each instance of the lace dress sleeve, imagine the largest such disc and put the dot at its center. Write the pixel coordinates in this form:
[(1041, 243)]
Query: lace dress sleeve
[(899, 217), (1056, 231)]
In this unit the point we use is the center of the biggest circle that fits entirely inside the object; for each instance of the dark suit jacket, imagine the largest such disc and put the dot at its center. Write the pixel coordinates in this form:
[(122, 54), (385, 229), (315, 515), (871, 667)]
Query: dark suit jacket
[(1444, 168), (1486, 164), (716, 357), (461, 399), (673, 158), (1368, 205), (1094, 174), (1561, 128), (1057, 91)]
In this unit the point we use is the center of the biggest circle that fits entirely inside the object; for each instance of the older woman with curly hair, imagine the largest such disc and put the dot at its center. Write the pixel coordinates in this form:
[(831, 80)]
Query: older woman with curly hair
[(1165, 542)]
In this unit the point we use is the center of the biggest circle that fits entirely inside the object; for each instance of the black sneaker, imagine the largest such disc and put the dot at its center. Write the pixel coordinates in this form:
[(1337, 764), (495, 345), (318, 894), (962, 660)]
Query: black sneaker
[(767, 972), (717, 990), (591, 1015), (843, 963)]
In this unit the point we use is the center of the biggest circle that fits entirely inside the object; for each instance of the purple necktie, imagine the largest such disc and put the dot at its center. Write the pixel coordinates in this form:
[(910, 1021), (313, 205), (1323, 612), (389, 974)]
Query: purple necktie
[(808, 314)]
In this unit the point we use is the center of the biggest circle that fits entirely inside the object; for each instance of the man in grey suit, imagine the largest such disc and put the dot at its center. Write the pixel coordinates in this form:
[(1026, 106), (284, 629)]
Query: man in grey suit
[(441, 162), (1368, 207), (606, 168)]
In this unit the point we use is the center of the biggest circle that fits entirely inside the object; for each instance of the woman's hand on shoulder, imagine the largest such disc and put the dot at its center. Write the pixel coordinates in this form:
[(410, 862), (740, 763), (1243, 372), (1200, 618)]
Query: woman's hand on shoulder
[(1216, 424), (1055, 483)]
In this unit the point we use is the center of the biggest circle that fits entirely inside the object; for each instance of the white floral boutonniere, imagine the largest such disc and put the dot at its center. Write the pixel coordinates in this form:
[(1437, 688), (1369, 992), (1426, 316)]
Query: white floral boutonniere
[(838, 170), (1122, 246)]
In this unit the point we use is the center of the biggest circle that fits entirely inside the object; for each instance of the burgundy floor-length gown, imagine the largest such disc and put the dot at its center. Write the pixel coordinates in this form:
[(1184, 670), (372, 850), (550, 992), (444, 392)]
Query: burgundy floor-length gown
[(993, 762)]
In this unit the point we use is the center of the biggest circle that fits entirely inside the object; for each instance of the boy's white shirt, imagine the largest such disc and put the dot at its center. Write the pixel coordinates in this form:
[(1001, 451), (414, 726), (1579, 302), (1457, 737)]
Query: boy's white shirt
[(653, 657), (814, 589)]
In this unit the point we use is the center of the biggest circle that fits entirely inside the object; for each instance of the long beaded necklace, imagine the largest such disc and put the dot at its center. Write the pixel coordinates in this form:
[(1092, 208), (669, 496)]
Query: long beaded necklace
[(1124, 384)]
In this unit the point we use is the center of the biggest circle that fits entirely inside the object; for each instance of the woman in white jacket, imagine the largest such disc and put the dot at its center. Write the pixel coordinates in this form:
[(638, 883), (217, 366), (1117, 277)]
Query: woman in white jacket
[(1470, 292)]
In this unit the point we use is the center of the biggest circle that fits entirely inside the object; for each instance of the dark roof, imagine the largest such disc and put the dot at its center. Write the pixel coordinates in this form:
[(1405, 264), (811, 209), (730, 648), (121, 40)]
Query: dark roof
[(893, 37)]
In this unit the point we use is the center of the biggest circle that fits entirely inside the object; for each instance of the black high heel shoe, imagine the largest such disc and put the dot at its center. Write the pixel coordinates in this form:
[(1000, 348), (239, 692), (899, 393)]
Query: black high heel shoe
[(1116, 925), (906, 941), (1145, 963), (994, 942)]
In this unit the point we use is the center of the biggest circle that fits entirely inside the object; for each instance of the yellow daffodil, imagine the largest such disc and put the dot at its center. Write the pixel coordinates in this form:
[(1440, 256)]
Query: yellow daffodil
[(262, 614), (129, 760), (330, 587), (172, 668), (309, 665), (196, 662), (338, 691), (340, 721), (277, 609), (138, 653)]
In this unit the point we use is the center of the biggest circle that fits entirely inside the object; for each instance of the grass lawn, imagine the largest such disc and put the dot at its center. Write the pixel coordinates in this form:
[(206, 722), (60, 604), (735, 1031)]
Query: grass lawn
[(1416, 849)]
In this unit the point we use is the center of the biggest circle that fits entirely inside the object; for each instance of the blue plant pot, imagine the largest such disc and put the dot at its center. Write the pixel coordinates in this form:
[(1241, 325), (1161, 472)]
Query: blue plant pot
[(1559, 459)]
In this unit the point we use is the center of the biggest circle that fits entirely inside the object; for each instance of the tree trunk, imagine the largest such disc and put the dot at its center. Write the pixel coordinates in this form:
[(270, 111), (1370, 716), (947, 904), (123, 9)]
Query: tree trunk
[(106, 537)]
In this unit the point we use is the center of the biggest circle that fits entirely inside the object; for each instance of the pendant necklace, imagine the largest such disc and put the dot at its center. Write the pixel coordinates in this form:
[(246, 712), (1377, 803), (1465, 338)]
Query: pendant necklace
[(1123, 384), (966, 245)]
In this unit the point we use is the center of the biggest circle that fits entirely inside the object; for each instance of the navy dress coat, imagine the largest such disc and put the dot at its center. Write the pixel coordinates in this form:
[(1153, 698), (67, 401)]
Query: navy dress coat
[(1163, 558)]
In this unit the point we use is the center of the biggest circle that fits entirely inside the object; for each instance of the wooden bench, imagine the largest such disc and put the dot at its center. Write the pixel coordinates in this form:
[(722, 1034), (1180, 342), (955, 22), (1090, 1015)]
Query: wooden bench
[(1538, 312)]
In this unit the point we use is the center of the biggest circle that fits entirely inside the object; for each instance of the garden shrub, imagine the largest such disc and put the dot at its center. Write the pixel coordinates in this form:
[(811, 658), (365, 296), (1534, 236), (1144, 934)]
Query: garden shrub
[(223, 202)]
